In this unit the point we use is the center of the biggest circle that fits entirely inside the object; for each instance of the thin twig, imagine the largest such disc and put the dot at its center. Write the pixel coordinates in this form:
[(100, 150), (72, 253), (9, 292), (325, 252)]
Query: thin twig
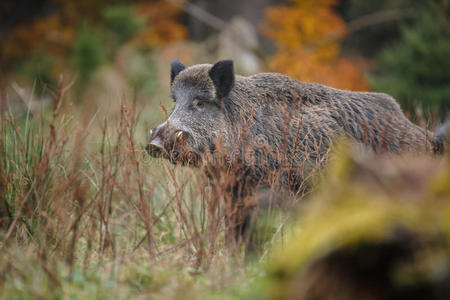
[(199, 13)]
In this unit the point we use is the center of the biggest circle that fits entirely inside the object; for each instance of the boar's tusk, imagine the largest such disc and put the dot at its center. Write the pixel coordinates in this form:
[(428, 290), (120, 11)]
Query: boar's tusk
[(180, 136)]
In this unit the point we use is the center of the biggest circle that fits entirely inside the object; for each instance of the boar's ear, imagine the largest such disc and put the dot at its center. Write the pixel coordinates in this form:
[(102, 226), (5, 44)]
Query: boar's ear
[(175, 67), (222, 75)]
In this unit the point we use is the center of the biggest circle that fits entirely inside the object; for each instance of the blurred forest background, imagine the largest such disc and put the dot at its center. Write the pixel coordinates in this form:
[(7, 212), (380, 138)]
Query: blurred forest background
[(85, 213), (399, 47)]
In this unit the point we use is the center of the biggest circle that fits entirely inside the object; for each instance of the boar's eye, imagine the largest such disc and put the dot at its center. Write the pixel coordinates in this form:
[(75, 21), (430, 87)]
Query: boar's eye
[(198, 103)]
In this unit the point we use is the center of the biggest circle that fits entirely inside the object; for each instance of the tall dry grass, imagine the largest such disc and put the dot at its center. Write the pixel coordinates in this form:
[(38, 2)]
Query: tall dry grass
[(81, 201), (85, 212)]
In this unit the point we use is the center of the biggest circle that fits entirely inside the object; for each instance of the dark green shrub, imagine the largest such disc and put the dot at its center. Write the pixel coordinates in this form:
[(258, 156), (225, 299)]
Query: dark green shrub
[(122, 22), (88, 52), (416, 69)]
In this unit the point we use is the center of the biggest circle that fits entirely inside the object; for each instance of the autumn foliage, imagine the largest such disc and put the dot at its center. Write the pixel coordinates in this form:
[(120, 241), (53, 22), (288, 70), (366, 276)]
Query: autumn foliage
[(54, 32), (163, 26), (308, 34)]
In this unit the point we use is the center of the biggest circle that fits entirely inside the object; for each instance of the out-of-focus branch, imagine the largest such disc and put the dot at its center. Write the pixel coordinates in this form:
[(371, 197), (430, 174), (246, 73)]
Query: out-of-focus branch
[(362, 23), (199, 13), (352, 26), (380, 17)]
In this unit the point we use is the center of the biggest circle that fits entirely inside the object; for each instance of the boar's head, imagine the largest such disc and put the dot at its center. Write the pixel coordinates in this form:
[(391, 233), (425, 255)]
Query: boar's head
[(198, 122)]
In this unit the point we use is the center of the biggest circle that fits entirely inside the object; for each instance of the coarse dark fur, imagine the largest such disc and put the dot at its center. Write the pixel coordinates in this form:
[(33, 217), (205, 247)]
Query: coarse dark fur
[(269, 123)]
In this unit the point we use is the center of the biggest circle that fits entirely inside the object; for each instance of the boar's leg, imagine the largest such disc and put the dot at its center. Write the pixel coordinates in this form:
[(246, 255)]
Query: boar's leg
[(238, 207)]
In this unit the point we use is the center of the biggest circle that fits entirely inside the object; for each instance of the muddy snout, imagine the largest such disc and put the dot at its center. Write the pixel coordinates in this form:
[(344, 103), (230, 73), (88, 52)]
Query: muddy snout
[(165, 144)]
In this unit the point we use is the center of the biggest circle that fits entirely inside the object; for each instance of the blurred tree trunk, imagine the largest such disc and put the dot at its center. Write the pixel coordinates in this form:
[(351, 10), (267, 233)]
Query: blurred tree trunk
[(251, 10)]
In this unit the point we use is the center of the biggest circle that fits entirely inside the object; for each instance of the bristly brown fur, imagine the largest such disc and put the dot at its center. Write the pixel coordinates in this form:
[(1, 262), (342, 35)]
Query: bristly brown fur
[(270, 123)]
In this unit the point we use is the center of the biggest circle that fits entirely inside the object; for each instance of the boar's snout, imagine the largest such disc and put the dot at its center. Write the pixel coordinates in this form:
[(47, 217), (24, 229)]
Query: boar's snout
[(155, 147), (166, 142)]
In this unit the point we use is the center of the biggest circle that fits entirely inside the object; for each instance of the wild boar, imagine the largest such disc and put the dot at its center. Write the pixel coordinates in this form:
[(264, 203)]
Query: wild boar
[(271, 128)]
